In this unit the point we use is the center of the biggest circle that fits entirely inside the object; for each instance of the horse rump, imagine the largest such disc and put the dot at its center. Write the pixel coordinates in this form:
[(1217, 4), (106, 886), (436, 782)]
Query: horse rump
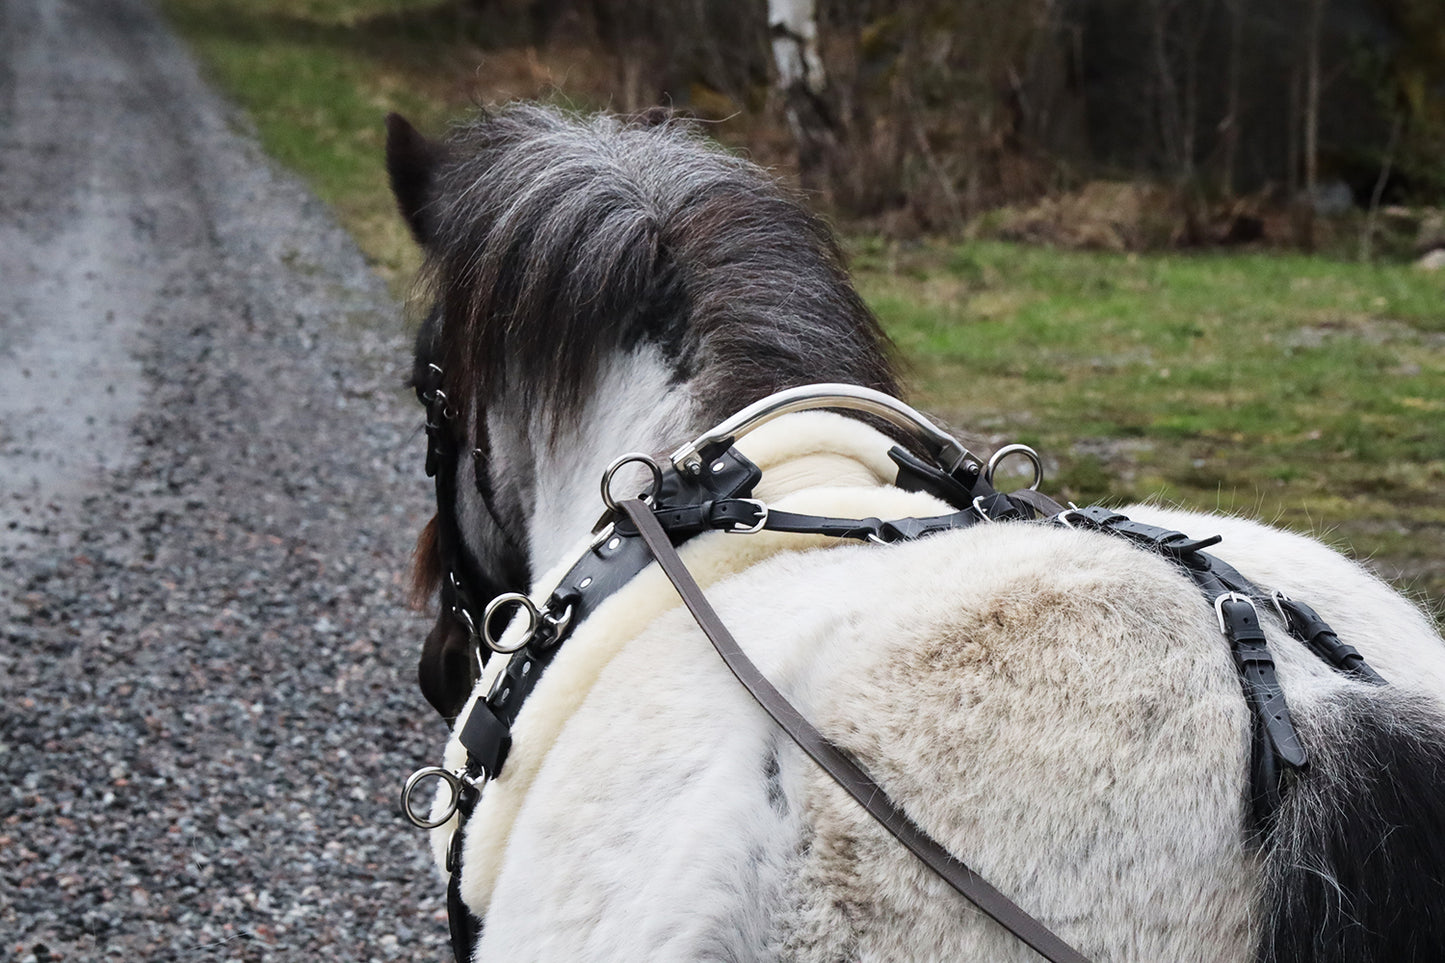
[(1355, 862)]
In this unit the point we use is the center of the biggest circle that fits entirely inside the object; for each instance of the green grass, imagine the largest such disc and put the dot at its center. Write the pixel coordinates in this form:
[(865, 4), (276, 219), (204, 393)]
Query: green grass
[(1299, 390), (1303, 391)]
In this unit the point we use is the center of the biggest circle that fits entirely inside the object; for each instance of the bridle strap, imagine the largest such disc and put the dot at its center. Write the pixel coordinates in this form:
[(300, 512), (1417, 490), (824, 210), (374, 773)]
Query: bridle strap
[(836, 763)]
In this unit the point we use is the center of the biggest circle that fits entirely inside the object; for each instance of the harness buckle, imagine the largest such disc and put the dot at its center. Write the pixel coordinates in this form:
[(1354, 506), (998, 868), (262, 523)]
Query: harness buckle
[(1232, 597), (981, 510), (753, 529), (1279, 598), (1063, 517)]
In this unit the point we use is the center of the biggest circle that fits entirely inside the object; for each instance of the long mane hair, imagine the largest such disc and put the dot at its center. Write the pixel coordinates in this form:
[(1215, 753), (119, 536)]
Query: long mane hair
[(553, 240), (555, 243)]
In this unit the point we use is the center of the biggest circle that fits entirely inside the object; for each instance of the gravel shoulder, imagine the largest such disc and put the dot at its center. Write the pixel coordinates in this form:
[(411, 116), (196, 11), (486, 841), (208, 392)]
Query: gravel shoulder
[(209, 483)]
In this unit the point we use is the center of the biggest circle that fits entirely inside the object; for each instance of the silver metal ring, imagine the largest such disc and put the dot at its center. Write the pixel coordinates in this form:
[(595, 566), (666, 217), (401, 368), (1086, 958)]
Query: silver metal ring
[(617, 463), (1008, 451), (534, 618), (453, 780)]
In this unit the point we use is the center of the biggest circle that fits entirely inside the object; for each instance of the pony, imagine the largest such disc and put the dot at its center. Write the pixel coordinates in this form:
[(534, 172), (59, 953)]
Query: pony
[(1053, 705)]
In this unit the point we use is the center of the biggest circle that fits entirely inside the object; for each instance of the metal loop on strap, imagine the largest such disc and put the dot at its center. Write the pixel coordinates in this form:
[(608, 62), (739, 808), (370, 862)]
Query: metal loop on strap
[(641, 458), (558, 623), (422, 818), (1008, 451), (534, 618), (1232, 597), (1279, 598)]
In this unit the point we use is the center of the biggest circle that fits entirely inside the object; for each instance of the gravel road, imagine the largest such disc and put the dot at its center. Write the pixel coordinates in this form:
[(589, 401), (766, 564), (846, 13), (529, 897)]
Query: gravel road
[(209, 483)]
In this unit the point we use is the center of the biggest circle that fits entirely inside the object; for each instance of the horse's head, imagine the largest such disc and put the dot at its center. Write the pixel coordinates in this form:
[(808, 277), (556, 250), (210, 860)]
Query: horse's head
[(598, 285), (467, 559)]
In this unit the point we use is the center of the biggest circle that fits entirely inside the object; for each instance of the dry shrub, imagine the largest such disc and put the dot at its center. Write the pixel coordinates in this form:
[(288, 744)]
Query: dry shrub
[(1103, 215)]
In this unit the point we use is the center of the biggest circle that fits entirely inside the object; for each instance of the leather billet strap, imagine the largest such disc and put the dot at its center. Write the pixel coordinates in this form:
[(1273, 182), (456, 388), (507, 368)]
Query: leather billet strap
[(1306, 625), (836, 763)]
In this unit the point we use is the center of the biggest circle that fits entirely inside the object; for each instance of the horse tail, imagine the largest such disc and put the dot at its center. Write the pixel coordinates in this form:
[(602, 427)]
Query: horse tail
[(1354, 865)]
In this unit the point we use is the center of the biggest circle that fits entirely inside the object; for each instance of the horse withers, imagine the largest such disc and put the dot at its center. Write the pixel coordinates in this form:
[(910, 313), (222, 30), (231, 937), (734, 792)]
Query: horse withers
[(1055, 706)]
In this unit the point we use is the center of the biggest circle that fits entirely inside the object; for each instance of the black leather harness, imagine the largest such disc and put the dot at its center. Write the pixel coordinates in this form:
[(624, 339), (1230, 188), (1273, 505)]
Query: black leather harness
[(718, 497)]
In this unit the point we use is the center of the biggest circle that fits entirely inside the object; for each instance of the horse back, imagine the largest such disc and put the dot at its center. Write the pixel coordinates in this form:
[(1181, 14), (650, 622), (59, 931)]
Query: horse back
[(1057, 708)]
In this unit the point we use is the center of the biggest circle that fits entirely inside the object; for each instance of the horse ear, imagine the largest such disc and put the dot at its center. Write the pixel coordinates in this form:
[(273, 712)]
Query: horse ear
[(411, 161)]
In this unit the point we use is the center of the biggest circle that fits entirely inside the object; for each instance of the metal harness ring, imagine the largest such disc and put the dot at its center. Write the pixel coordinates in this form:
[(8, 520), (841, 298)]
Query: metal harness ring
[(534, 618), (637, 456), (1008, 451), (452, 779)]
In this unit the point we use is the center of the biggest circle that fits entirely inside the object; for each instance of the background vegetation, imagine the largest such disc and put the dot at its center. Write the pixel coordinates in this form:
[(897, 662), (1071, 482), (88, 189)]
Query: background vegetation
[(1305, 390)]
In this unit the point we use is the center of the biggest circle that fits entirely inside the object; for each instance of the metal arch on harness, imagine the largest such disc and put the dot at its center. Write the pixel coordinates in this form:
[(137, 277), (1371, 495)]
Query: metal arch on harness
[(685, 501)]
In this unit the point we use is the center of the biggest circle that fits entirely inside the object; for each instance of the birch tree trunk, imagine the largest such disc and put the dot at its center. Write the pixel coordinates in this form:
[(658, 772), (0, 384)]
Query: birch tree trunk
[(1312, 97), (802, 82), (1230, 127)]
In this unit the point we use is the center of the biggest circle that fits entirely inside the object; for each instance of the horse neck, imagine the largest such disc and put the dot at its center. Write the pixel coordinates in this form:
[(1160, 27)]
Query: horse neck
[(636, 405)]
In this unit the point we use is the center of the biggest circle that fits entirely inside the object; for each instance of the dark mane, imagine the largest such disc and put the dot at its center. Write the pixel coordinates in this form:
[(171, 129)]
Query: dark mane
[(556, 239)]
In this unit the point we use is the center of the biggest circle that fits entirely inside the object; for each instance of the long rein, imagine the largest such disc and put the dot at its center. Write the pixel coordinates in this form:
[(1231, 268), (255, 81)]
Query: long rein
[(708, 487)]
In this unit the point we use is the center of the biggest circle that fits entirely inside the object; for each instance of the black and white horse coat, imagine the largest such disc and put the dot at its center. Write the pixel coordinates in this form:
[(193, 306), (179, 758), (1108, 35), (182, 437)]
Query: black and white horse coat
[(1057, 707)]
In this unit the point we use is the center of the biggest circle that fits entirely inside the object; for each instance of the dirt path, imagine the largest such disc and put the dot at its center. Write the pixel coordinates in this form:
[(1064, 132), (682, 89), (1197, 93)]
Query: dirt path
[(209, 480)]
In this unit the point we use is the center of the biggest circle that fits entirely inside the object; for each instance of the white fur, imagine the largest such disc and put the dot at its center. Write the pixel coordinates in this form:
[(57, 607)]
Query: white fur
[(1056, 707), (549, 476)]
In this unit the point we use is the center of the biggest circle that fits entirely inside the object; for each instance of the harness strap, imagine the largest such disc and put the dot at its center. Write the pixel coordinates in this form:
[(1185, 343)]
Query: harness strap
[(1306, 625), (463, 925), (1276, 743), (749, 515), (836, 763)]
